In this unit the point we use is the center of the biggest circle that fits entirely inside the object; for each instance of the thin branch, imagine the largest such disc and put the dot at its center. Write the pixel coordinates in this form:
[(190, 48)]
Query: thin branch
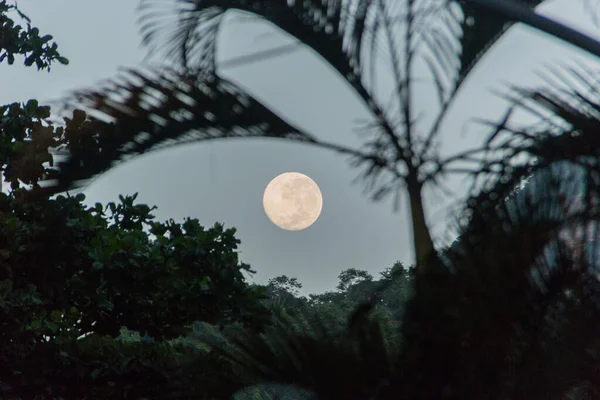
[(516, 11), (400, 83), (440, 118), (406, 99), (465, 155)]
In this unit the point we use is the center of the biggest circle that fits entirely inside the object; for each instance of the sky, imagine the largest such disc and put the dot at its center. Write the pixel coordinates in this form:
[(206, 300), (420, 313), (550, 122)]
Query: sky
[(224, 181)]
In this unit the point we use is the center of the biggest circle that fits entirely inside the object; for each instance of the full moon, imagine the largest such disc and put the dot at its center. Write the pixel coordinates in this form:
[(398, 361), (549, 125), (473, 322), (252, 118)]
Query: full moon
[(292, 201)]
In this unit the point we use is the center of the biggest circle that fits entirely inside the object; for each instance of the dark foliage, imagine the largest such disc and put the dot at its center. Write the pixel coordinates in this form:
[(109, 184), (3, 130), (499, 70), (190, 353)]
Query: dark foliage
[(15, 40), (509, 311), (73, 277)]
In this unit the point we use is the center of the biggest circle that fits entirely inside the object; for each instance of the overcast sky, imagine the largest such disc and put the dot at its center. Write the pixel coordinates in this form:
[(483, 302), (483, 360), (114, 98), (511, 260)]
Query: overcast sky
[(224, 181)]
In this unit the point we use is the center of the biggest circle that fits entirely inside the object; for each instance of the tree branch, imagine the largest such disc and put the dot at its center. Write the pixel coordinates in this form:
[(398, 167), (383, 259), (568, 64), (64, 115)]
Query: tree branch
[(516, 11)]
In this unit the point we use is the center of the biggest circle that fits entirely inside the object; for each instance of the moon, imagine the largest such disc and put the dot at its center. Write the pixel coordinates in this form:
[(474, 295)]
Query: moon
[(292, 201)]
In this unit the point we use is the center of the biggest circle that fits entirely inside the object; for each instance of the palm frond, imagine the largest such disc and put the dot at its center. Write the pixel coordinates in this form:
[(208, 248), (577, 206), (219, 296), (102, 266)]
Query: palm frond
[(544, 179), (481, 29), (191, 36), (310, 354), (516, 11), (524, 250), (146, 112), (472, 332), (347, 34), (566, 112), (340, 31), (334, 29), (457, 38)]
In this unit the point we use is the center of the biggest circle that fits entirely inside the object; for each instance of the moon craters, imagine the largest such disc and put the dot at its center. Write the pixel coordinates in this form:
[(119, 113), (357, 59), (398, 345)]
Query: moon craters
[(292, 201)]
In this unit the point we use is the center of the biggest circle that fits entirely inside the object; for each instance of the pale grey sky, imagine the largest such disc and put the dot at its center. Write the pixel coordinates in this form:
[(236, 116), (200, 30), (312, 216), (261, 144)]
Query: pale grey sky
[(224, 181)]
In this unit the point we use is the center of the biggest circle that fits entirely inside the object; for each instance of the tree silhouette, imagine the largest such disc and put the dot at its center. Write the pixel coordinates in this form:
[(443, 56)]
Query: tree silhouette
[(504, 309)]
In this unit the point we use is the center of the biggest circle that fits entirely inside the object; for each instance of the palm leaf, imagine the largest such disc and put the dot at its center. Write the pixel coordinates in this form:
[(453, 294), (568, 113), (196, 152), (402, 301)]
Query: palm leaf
[(335, 30), (450, 37), (312, 356), (511, 267), (472, 332), (346, 34), (339, 31), (481, 29), (147, 112)]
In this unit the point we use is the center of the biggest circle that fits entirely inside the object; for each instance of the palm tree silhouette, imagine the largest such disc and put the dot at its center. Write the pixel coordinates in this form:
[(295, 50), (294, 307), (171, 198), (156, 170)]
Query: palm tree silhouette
[(504, 313)]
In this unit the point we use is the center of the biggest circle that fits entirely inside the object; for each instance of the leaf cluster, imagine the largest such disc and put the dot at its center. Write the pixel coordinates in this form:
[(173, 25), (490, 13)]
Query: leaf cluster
[(15, 40), (67, 271)]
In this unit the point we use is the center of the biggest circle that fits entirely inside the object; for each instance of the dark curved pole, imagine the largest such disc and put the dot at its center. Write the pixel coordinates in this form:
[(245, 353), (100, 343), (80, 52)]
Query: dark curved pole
[(516, 11)]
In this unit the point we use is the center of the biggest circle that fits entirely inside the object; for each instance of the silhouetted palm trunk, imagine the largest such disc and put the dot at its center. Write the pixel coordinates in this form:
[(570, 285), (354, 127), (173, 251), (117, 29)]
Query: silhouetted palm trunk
[(423, 244)]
